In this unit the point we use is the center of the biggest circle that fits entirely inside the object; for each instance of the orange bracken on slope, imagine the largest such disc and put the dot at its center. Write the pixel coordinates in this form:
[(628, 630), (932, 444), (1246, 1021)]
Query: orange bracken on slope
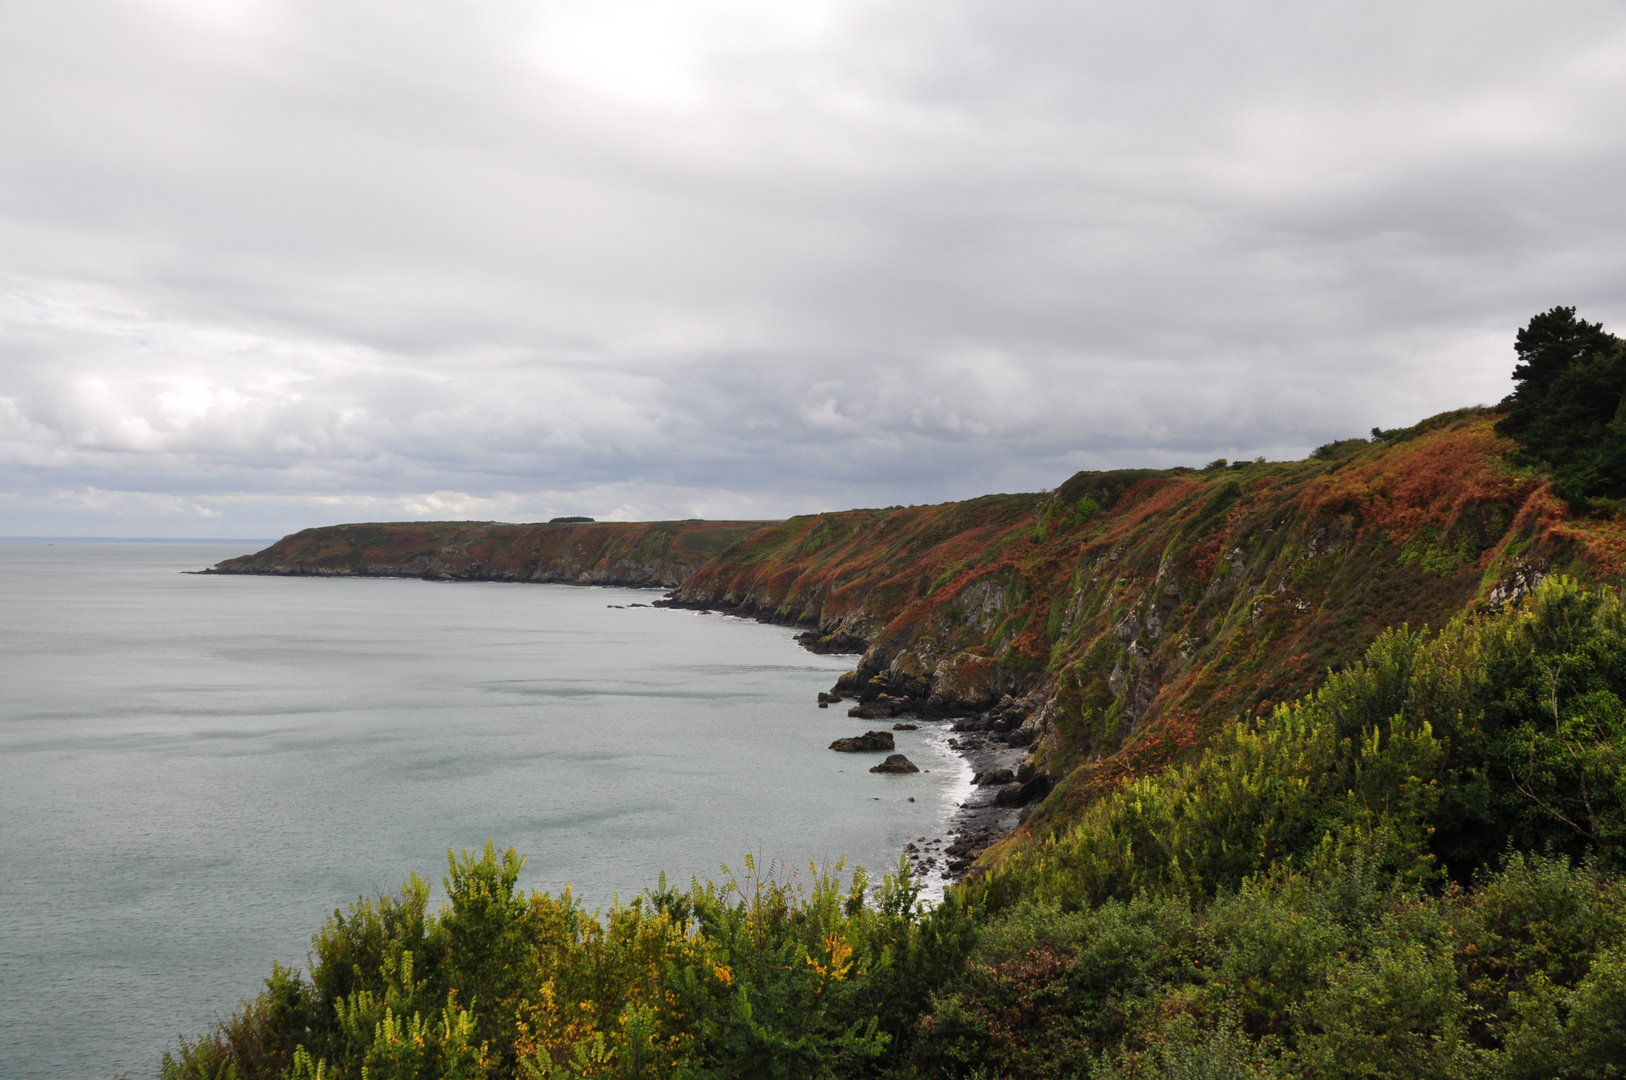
[(1134, 612), (1124, 616)]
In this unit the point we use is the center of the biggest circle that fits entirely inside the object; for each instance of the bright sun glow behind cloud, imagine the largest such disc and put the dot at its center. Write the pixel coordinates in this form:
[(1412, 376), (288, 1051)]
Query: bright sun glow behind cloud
[(662, 55)]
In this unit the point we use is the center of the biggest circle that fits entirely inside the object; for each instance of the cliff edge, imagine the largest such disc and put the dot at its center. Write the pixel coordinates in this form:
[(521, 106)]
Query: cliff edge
[(1114, 624), (1104, 629), (661, 554)]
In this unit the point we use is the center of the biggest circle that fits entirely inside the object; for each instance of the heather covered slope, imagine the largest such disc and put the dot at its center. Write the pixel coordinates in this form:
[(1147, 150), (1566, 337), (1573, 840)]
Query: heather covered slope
[(1133, 613), (650, 553), (1115, 623)]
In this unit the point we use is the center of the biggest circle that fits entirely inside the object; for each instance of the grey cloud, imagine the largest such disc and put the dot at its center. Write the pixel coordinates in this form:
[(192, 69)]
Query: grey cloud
[(284, 262)]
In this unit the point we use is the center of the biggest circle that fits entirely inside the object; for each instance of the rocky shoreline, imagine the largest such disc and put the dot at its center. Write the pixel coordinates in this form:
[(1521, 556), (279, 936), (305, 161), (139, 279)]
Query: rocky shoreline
[(992, 731), (1004, 788), (1005, 785)]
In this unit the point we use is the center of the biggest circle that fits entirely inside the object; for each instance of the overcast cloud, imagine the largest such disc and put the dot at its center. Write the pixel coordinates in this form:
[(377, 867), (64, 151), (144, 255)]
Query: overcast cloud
[(273, 263)]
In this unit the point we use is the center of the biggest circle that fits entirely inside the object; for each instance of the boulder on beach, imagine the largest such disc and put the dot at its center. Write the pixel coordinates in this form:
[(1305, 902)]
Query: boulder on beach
[(870, 740), (896, 763)]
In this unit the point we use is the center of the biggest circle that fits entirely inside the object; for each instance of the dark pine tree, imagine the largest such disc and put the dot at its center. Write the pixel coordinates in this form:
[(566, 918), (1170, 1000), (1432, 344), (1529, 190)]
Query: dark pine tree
[(1568, 408)]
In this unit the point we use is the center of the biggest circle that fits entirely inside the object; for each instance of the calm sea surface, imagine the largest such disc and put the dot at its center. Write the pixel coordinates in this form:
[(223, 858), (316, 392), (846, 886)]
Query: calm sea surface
[(194, 771)]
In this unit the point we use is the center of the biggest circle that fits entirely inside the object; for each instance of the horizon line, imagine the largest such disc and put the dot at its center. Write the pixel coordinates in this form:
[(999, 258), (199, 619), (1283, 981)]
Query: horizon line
[(143, 539)]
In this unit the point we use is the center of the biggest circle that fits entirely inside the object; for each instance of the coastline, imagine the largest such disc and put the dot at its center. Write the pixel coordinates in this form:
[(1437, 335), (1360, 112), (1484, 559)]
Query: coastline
[(981, 814), (974, 821)]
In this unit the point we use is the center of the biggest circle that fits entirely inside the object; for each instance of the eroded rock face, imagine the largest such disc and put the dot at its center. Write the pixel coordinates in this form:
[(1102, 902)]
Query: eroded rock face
[(1008, 720), (965, 682), (916, 682), (1022, 794), (1511, 591), (1164, 605), (1328, 536), (980, 603), (897, 763), (870, 740)]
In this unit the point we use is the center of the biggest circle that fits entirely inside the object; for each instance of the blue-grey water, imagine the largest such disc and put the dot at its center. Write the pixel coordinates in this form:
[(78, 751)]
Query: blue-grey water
[(195, 771)]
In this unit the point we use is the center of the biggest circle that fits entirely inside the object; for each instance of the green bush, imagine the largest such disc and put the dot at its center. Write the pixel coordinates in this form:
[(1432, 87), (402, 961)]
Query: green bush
[(1410, 872)]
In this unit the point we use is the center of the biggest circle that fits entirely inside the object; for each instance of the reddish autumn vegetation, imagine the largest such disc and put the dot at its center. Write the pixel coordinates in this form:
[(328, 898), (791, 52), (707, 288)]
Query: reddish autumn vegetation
[(1335, 754), (1413, 871), (1139, 611), (1132, 613)]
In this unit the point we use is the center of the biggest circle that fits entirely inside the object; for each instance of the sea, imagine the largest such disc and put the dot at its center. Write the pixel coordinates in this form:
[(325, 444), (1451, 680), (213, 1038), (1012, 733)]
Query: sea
[(196, 771)]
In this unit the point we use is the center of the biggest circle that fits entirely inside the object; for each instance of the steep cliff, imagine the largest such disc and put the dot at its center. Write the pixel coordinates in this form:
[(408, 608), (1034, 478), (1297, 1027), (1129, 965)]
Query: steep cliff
[(1118, 621), (658, 553), (1109, 626)]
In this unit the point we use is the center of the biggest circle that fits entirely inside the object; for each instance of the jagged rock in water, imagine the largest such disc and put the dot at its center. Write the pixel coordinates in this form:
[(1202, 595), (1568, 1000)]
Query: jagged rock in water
[(882, 708), (905, 727), (896, 763), (834, 643), (870, 740)]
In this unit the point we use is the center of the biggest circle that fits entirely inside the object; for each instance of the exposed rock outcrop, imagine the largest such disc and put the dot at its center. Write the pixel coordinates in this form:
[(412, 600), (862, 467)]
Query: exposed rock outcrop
[(870, 740), (1109, 627), (1106, 628), (1525, 579), (896, 763), (1022, 794)]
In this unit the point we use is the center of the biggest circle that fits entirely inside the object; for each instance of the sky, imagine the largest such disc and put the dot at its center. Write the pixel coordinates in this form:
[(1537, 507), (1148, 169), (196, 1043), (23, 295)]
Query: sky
[(268, 264)]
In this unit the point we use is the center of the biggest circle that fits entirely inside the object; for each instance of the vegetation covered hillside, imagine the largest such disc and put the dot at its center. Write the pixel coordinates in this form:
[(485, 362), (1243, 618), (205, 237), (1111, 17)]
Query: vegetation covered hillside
[(1339, 754), (1137, 612), (1412, 873), (653, 553)]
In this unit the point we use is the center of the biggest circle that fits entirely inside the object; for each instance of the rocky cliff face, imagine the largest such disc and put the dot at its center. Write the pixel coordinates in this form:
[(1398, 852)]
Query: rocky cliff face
[(661, 553), (1115, 623), (1104, 628)]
